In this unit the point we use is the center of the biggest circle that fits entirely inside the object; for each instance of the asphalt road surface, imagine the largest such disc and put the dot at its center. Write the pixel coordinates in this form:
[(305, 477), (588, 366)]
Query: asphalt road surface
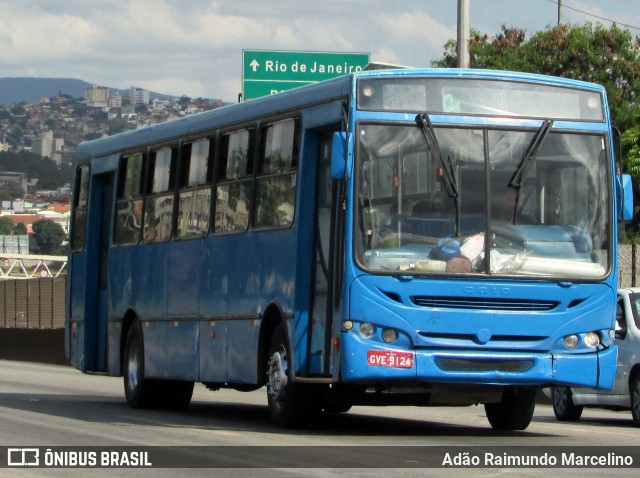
[(61, 414)]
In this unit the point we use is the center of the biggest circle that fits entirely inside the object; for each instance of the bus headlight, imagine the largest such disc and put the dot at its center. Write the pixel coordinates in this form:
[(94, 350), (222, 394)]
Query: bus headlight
[(367, 330), (389, 335), (592, 339), (571, 341)]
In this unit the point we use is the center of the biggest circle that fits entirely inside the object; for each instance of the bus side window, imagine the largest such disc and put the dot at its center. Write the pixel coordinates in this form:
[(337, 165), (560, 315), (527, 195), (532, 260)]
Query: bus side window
[(194, 202), (234, 185), (276, 182), (81, 198), (158, 203), (128, 219)]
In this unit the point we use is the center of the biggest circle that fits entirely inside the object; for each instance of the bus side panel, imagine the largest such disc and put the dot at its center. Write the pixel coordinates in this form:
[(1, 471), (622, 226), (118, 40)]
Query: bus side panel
[(150, 274), (262, 272), (183, 284), (120, 283), (183, 276), (246, 278), (77, 291), (213, 309), (156, 359), (183, 349)]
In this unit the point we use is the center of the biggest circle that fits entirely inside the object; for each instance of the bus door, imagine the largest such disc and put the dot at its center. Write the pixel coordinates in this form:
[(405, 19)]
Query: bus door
[(97, 271), (328, 264)]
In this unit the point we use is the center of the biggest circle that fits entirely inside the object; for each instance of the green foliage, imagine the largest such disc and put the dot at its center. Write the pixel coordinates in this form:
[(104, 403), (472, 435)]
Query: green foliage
[(48, 173), (11, 192), (608, 56), (6, 226), (48, 237)]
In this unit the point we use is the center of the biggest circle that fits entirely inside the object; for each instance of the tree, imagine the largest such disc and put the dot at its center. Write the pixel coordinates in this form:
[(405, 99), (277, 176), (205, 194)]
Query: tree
[(6, 226), (11, 191), (608, 56), (48, 237)]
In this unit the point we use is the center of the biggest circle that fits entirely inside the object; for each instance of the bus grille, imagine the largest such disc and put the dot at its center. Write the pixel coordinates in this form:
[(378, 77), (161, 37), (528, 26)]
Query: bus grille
[(468, 365), (484, 303)]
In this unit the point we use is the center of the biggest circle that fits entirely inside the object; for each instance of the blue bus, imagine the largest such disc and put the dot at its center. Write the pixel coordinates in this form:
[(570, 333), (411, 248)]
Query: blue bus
[(390, 237)]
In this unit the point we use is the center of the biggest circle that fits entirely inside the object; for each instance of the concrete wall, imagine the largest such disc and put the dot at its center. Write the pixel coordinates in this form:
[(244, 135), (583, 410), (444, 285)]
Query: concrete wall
[(33, 345)]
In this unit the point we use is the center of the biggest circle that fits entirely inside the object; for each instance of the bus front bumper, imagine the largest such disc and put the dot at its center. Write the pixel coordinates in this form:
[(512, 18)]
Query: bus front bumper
[(365, 363)]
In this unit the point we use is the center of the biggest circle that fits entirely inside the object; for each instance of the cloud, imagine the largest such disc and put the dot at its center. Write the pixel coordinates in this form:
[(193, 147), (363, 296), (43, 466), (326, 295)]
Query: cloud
[(195, 47)]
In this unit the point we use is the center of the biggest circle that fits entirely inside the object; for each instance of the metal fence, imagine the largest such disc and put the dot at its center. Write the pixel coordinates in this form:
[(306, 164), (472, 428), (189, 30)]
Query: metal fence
[(32, 303), (629, 266)]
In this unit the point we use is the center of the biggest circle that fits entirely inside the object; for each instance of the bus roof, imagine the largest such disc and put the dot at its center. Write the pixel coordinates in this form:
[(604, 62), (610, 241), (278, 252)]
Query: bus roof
[(291, 100)]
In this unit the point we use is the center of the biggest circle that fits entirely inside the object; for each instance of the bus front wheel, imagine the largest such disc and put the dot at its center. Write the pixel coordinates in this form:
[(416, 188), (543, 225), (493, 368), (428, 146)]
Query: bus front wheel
[(514, 411), (290, 403)]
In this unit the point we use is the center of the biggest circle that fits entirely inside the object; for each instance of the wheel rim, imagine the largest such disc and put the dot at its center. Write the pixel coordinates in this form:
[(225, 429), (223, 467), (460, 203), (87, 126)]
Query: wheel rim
[(560, 398), (277, 376), (132, 367)]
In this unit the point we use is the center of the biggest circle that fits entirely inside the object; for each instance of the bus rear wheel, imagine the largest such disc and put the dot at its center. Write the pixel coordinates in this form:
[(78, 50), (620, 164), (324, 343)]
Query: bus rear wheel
[(139, 391), (143, 392), (290, 403), (514, 411)]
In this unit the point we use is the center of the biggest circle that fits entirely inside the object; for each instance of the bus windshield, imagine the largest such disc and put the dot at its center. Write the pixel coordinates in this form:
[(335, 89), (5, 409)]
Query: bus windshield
[(477, 200)]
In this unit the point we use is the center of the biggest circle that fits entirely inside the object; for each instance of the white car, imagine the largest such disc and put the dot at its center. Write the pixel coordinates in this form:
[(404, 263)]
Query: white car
[(568, 403)]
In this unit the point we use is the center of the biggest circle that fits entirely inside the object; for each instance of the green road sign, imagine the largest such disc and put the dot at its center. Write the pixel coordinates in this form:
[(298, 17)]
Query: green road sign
[(266, 72)]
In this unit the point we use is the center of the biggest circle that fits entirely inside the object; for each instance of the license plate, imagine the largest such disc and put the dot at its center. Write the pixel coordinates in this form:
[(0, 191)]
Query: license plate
[(383, 358)]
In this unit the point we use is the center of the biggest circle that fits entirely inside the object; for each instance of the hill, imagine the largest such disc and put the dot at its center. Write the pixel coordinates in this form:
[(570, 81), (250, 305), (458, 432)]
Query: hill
[(15, 90)]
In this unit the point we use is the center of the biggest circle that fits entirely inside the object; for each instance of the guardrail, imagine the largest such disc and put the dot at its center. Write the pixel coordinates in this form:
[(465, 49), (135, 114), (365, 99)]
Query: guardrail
[(29, 266)]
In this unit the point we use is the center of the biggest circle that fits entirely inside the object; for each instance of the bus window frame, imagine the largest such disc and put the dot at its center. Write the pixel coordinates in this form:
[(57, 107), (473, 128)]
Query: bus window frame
[(80, 186), (154, 196), (132, 199), (183, 186), (246, 180), (291, 171)]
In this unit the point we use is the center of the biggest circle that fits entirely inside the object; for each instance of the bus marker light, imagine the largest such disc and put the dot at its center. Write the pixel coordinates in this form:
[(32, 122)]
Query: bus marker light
[(389, 335), (336, 343), (571, 341), (367, 330), (348, 325)]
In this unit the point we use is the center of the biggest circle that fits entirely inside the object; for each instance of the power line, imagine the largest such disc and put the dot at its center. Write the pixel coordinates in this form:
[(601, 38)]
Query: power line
[(563, 5)]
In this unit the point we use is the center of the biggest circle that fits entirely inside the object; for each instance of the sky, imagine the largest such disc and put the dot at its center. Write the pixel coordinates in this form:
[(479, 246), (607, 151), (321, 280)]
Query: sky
[(194, 47)]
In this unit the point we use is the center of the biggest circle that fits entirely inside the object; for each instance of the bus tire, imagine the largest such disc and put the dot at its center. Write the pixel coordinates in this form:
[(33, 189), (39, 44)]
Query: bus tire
[(635, 399), (563, 407), (290, 404), (139, 391), (176, 394), (514, 411)]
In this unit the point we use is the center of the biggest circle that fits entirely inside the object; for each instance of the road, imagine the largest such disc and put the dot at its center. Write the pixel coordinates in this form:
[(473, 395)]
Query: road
[(48, 406)]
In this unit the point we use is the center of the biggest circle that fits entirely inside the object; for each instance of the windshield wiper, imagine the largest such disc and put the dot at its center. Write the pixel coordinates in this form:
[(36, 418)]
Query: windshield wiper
[(430, 137), (424, 122), (530, 154)]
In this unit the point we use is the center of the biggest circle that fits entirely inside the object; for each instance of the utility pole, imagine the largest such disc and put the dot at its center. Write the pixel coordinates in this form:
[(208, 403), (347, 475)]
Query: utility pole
[(463, 34), (559, 10)]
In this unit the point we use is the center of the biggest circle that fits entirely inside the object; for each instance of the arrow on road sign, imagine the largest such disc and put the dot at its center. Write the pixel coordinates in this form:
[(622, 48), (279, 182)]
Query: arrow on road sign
[(254, 64)]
